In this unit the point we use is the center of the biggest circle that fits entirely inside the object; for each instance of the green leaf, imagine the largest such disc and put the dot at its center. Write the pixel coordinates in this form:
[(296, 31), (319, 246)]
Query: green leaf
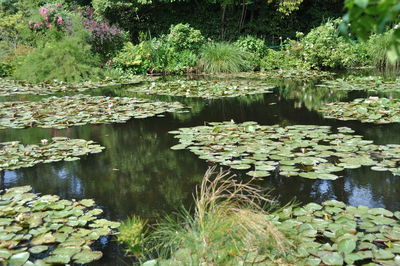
[(18, 259)]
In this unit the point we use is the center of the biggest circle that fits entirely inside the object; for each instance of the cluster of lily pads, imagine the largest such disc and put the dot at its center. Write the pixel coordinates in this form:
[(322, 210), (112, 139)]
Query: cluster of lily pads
[(370, 110), (308, 151), (280, 74), (14, 155), (62, 112), (14, 87), (371, 83), (206, 88), (43, 230), (335, 234), (297, 74)]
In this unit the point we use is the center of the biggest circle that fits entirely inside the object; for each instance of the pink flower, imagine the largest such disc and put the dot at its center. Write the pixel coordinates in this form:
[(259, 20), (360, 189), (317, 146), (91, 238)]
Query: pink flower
[(59, 20), (43, 11), (58, 5)]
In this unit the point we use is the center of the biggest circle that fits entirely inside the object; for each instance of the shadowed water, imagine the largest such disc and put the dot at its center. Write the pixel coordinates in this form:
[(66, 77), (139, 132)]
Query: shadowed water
[(138, 173)]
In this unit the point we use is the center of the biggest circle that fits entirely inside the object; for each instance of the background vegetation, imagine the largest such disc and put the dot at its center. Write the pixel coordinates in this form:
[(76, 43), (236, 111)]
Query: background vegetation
[(40, 40)]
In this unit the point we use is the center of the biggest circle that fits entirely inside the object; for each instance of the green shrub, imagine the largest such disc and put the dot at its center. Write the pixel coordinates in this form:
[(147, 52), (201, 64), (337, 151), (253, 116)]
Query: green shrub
[(131, 59), (324, 48), (253, 45), (154, 56), (182, 37), (223, 57), (182, 62), (282, 59), (69, 60), (377, 48)]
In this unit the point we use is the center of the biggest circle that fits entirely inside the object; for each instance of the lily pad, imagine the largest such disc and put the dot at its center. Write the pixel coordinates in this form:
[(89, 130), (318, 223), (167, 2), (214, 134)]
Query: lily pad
[(14, 87), (50, 232), (308, 151), (206, 88), (341, 237), (371, 110), (14, 155), (67, 111)]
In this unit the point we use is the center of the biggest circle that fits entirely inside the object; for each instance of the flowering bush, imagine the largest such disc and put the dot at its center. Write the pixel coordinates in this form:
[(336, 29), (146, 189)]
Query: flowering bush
[(51, 16), (105, 39)]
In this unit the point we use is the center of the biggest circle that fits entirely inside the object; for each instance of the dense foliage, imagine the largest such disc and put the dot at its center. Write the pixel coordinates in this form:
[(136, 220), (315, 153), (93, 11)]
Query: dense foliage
[(53, 40), (366, 17)]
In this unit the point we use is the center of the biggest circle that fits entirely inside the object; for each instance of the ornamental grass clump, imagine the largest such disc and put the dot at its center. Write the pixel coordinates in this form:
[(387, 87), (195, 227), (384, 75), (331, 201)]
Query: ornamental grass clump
[(227, 226), (222, 57)]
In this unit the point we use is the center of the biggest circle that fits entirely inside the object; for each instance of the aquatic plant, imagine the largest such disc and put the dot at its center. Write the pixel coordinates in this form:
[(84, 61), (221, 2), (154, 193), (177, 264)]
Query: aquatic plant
[(47, 230), (332, 233), (15, 87), (370, 83), (133, 233), (206, 88), (371, 110), (228, 226), (221, 57), (62, 112), (14, 155), (307, 151)]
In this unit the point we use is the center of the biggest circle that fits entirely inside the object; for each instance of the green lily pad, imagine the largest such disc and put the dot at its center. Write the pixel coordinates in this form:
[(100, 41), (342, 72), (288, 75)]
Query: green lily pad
[(86, 256), (332, 258), (14, 155), (67, 111), (370, 110), (206, 88), (48, 223), (14, 87), (308, 151), (18, 259), (258, 173)]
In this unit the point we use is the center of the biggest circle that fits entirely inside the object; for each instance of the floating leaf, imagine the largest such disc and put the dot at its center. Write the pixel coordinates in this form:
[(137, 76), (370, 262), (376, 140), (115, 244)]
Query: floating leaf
[(14, 155), (308, 151), (58, 227), (18, 259), (206, 88), (67, 111), (371, 110), (86, 256)]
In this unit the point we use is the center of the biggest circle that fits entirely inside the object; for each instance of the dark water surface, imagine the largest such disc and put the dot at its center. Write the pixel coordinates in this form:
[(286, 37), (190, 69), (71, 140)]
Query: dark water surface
[(138, 173)]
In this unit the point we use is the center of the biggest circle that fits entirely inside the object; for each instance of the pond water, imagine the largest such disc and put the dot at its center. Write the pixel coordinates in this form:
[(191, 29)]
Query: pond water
[(138, 173)]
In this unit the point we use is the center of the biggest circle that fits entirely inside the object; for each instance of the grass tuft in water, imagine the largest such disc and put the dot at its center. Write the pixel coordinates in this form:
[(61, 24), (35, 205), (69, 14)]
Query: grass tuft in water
[(229, 226), (222, 57), (133, 234)]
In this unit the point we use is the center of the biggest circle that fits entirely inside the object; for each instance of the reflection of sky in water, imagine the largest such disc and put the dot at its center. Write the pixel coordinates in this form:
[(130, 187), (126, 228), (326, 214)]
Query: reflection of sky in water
[(75, 187), (10, 177), (361, 196), (356, 195), (322, 190), (62, 173)]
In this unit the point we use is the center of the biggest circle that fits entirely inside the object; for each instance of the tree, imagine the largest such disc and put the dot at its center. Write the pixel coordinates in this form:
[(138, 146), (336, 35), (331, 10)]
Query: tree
[(365, 17)]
